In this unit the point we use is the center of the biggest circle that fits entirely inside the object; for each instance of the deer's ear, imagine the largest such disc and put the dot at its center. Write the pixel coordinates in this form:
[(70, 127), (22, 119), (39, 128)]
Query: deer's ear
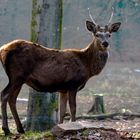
[(114, 27), (91, 26)]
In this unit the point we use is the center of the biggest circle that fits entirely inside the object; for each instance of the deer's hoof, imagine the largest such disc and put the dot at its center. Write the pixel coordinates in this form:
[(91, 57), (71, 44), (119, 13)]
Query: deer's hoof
[(6, 131), (21, 131)]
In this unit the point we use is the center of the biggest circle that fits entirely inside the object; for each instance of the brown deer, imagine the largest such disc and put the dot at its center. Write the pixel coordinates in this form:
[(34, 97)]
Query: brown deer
[(50, 70)]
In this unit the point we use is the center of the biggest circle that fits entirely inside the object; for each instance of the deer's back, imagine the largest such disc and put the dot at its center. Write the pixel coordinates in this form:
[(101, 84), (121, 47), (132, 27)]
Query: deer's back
[(41, 68)]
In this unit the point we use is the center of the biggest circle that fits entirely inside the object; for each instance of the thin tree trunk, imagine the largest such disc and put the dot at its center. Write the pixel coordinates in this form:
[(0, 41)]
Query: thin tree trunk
[(46, 30)]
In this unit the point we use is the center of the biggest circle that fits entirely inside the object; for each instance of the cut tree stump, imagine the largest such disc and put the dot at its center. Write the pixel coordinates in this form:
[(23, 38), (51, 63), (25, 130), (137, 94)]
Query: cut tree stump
[(98, 105)]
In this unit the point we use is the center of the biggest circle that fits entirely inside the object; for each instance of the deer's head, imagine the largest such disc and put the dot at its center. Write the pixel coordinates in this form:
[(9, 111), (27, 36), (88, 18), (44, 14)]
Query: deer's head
[(102, 34)]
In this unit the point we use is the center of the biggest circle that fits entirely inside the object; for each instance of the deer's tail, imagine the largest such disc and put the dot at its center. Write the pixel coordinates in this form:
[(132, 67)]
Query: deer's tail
[(2, 55)]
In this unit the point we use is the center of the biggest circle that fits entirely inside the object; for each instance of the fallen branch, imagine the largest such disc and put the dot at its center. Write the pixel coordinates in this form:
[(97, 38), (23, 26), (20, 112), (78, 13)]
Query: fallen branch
[(105, 116)]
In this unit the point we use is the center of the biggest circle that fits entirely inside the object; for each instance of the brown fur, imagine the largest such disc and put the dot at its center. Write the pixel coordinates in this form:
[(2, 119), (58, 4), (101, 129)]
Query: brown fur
[(48, 70), (34, 65)]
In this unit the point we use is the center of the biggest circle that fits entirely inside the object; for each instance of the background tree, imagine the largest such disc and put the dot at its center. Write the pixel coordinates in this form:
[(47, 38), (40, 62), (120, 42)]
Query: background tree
[(46, 30)]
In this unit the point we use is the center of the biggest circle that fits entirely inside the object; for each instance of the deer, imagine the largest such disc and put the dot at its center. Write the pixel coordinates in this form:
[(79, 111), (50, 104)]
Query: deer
[(52, 70)]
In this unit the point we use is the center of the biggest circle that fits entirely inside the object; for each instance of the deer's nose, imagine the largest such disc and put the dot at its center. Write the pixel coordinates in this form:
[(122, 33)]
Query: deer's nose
[(105, 44)]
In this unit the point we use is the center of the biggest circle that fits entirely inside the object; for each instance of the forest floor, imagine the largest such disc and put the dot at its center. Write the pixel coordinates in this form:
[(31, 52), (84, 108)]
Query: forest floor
[(101, 130), (109, 130)]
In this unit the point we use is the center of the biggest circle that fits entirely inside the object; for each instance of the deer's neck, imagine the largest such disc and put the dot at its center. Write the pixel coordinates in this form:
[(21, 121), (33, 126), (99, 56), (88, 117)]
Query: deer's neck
[(95, 59)]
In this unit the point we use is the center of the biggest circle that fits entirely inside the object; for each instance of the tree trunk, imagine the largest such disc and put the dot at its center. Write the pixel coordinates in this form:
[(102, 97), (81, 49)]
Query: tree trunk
[(46, 30)]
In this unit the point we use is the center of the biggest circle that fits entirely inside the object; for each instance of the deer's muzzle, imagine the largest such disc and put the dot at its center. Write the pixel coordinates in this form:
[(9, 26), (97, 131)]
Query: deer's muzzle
[(105, 44)]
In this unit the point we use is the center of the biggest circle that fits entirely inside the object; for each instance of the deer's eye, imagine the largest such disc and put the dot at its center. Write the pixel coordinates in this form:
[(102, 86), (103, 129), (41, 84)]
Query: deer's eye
[(109, 35)]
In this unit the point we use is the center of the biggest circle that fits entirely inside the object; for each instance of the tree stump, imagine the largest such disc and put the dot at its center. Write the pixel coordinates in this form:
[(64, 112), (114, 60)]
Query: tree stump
[(98, 105)]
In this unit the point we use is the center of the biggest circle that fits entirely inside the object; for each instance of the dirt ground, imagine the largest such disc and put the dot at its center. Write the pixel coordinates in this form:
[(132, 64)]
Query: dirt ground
[(103, 134), (104, 130)]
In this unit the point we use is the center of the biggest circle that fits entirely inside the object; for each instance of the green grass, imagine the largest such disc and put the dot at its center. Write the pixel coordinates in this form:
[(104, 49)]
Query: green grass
[(47, 135)]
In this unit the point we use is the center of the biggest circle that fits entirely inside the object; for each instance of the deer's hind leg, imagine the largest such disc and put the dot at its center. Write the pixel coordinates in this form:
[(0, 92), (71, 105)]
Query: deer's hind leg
[(12, 104), (9, 94), (4, 99)]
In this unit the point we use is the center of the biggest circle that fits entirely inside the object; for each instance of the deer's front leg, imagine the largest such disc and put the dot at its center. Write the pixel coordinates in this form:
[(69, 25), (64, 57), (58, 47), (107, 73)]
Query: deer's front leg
[(62, 106), (72, 104)]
